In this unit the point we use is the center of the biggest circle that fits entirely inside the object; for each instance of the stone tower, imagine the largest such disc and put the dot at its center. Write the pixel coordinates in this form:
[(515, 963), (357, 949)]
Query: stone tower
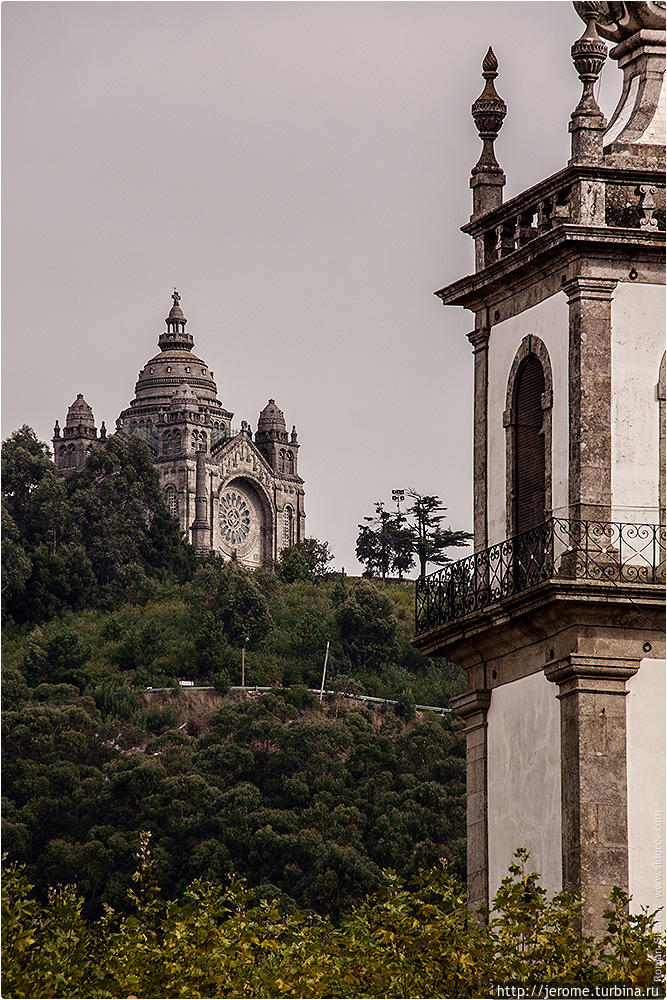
[(558, 617), (72, 446), (235, 497)]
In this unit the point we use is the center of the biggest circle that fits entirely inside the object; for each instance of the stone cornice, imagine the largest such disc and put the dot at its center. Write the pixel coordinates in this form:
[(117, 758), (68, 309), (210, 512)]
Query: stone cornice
[(472, 703), (582, 672), (480, 339), (474, 290), (588, 287)]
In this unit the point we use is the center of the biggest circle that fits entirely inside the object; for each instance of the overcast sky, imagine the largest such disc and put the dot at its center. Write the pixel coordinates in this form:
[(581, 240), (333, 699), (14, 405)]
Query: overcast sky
[(300, 172)]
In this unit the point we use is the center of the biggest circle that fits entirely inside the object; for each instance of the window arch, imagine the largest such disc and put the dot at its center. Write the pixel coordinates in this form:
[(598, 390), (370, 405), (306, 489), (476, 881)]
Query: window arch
[(281, 460), (290, 462), (171, 500), (527, 422), (288, 527)]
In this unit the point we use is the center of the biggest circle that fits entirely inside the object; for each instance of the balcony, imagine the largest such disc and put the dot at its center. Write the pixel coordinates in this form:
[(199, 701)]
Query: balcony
[(558, 549)]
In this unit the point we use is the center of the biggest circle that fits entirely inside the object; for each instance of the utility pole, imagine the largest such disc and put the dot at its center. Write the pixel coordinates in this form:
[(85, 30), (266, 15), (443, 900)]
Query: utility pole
[(324, 672), (243, 663)]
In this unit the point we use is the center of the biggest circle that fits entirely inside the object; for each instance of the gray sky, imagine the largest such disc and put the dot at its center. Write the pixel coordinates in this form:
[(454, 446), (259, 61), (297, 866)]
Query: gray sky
[(300, 172)]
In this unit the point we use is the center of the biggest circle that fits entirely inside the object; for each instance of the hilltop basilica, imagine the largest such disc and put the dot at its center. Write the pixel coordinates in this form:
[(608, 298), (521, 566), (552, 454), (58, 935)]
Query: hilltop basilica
[(235, 494)]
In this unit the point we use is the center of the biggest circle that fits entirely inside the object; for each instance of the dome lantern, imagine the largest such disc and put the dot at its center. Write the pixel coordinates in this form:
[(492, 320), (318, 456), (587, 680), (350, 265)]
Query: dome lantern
[(175, 337)]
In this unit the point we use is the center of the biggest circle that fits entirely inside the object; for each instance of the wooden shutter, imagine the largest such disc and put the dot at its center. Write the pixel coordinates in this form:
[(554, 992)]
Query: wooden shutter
[(529, 468)]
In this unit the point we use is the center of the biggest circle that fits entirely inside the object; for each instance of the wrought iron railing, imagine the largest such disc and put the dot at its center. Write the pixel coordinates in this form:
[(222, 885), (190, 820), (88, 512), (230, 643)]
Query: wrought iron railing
[(558, 548)]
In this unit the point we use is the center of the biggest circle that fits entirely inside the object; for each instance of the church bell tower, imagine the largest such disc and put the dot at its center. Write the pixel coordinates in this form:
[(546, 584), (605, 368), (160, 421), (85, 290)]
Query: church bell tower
[(558, 616)]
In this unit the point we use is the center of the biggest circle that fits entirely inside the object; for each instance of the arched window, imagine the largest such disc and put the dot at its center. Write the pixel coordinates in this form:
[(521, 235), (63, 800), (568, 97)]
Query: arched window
[(288, 527), (281, 460), (528, 425), (171, 500), (166, 443), (290, 462), (529, 457)]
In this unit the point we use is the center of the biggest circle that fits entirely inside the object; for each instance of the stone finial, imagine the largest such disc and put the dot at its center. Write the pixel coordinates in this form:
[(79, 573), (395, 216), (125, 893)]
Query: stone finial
[(293, 435), (56, 430), (488, 112), (587, 123), (637, 126), (588, 55), (103, 431)]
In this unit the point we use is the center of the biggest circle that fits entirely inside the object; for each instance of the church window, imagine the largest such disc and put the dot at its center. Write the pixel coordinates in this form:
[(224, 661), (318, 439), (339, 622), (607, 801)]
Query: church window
[(529, 458), (203, 371), (171, 500), (528, 426), (281, 460), (187, 368), (288, 527), (290, 462), (235, 518), (168, 368)]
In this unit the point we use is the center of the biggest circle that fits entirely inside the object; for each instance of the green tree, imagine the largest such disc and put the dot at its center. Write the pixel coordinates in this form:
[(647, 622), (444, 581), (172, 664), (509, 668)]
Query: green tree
[(430, 538), (238, 604), (410, 938), (375, 543), (315, 554), (293, 566), (366, 627)]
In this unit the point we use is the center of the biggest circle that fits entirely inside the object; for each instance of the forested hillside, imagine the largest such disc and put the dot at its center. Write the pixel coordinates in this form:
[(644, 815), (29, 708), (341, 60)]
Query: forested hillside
[(103, 601)]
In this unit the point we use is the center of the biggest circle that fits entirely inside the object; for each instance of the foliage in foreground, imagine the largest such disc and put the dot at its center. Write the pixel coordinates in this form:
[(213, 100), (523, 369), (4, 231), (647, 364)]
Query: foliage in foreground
[(407, 940)]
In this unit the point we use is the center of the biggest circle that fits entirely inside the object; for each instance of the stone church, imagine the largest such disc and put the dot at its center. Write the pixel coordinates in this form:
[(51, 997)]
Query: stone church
[(235, 493), (558, 616)]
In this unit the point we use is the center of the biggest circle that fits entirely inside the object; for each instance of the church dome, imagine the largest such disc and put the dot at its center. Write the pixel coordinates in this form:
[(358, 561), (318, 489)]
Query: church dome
[(174, 366), (184, 398), (80, 414)]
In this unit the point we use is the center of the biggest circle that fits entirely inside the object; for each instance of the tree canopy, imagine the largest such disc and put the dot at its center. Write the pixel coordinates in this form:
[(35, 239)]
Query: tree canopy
[(410, 938), (102, 535), (392, 541)]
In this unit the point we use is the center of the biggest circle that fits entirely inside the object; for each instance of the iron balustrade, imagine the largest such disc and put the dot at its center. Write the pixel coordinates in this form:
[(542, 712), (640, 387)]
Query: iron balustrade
[(558, 548)]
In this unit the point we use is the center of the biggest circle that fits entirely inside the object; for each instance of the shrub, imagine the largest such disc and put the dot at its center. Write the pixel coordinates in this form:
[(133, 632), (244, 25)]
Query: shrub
[(221, 682), (156, 720), (410, 939)]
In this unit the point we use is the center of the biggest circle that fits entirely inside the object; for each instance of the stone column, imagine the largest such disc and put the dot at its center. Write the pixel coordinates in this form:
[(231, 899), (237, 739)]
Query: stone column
[(473, 708), (593, 779), (479, 339), (589, 487), (200, 525)]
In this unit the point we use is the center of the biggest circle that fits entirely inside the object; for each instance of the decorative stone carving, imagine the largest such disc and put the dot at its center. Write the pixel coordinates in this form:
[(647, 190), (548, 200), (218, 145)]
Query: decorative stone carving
[(617, 21), (488, 112), (646, 207)]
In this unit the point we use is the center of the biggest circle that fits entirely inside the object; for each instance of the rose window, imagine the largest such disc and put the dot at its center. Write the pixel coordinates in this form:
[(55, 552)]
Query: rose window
[(234, 518)]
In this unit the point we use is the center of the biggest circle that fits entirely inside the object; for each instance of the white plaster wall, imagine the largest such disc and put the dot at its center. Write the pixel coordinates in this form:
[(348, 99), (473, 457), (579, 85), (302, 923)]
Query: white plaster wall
[(637, 345), (646, 785), (549, 320), (523, 778)]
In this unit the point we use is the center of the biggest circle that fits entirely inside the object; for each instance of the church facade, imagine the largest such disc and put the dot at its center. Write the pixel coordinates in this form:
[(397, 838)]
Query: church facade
[(558, 616), (235, 493)]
